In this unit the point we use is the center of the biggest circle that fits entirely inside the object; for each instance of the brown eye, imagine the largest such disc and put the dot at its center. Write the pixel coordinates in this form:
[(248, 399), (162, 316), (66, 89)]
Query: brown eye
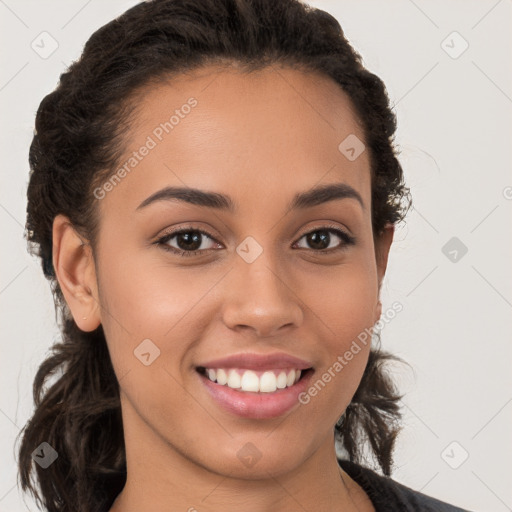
[(189, 241), (321, 239)]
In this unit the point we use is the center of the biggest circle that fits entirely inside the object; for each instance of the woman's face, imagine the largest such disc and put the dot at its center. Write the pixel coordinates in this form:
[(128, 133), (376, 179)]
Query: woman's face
[(271, 276)]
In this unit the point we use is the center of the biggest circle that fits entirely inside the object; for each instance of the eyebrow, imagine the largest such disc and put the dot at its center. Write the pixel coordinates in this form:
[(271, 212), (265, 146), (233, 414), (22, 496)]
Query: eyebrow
[(313, 197)]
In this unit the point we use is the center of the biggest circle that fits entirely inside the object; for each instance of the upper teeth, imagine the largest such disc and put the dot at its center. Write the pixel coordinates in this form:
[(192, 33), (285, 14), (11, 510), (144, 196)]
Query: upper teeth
[(248, 380)]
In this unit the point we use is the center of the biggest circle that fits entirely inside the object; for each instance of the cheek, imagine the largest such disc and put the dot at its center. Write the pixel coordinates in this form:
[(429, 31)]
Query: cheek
[(343, 302), (161, 312), (151, 301), (344, 307)]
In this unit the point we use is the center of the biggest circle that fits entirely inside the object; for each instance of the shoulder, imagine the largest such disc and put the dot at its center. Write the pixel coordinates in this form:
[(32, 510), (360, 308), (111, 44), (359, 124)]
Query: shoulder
[(388, 495)]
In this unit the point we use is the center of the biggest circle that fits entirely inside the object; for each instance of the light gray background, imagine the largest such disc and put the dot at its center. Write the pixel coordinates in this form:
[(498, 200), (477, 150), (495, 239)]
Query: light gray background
[(455, 128)]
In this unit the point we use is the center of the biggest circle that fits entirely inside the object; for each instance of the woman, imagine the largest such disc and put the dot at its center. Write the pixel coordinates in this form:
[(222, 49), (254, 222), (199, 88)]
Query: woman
[(213, 197)]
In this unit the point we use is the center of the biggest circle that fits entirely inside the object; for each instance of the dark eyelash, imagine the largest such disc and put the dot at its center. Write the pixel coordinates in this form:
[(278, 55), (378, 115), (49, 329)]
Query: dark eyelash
[(347, 240), (162, 241)]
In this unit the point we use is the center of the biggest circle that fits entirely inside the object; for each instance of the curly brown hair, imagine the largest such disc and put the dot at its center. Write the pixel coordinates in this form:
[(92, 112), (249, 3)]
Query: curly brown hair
[(77, 143)]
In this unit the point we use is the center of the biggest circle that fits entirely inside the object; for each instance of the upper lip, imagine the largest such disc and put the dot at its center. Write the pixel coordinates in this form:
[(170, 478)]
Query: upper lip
[(253, 361)]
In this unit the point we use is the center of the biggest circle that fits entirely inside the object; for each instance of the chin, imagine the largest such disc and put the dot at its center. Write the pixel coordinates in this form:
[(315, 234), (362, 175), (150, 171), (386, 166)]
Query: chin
[(254, 460)]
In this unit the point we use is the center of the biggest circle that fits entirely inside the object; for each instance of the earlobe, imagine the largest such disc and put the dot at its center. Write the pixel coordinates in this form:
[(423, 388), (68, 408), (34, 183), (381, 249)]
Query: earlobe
[(382, 246), (76, 273), (378, 312)]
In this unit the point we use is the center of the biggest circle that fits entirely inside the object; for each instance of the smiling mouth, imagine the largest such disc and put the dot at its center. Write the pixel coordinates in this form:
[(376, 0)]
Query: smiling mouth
[(254, 381)]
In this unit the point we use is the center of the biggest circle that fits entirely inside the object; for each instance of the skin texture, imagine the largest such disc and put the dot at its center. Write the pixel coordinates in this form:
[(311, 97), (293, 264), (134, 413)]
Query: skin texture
[(259, 138)]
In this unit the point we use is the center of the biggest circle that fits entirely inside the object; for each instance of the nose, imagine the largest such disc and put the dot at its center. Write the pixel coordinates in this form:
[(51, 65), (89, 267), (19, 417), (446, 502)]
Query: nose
[(261, 299)]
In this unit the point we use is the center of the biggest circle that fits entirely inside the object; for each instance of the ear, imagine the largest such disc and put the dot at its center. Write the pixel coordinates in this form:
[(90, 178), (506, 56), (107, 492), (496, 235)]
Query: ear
[(75, 270), (382, 247)]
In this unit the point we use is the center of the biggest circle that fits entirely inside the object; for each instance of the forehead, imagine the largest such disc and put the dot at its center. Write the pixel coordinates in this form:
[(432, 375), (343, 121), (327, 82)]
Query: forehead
[(259, 137)]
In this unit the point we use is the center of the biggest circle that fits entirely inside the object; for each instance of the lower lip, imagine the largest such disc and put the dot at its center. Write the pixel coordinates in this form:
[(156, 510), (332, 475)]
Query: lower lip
[(250, 404)]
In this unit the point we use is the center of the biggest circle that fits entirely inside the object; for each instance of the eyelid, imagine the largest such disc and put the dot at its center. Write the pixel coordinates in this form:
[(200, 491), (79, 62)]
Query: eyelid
[(184, 229), (346, 237), (168, 234), (326, 227)]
